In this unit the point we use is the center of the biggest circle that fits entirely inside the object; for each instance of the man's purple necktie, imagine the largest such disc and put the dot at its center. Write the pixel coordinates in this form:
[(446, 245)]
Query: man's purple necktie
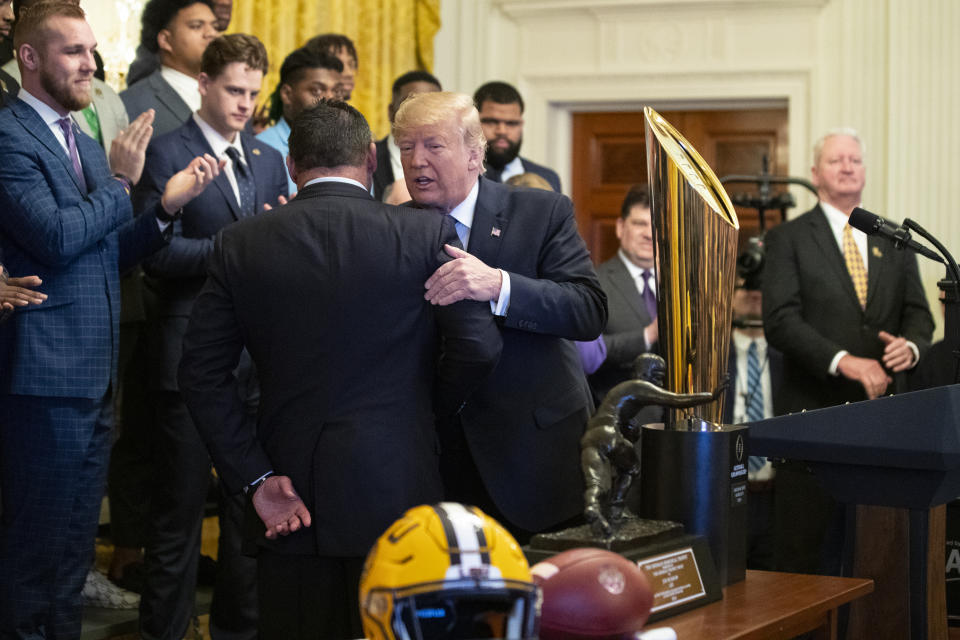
[(649, 297), (66, 126)]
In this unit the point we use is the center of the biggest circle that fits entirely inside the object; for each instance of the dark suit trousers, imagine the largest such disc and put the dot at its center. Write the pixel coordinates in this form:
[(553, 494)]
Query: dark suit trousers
[(308, 597), (462, 482), (173, 542), (131, 460), (53, 464), (461, 478)]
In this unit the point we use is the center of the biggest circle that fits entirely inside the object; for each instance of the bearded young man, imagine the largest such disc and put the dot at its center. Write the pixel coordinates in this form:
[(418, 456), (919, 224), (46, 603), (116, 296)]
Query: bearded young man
[(501, 116), (69, 221)]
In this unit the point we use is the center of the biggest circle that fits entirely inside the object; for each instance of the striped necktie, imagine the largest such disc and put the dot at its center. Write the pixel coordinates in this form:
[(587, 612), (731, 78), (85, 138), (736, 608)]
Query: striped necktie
[(754, 401), (858, 273), (66, 127)]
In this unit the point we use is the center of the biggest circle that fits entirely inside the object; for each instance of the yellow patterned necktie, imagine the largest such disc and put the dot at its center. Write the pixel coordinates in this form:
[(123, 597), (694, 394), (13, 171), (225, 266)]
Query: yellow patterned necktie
[(855, 265)]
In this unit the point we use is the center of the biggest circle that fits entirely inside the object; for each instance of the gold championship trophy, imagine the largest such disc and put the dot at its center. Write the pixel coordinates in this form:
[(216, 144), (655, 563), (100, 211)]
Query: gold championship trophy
[(690, 538), (693, 469)]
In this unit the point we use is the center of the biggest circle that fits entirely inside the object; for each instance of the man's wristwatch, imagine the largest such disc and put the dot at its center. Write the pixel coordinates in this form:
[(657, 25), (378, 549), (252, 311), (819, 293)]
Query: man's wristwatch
[(125, 181), (251, 488), (165, 217)]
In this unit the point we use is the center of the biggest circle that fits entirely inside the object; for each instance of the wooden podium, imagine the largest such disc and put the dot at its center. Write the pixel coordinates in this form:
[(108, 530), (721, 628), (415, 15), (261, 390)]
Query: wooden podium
[(900, 451)]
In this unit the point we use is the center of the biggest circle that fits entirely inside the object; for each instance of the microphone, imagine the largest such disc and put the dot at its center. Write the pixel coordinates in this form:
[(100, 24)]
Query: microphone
[(872, 224)]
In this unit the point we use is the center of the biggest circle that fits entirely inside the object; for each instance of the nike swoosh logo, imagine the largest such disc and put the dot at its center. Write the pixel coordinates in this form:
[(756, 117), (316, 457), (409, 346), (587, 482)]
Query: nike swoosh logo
[(394, 538)]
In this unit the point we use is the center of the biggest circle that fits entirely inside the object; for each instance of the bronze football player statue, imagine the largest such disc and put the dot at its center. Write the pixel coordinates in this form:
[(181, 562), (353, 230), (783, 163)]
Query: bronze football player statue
[(607, 454)]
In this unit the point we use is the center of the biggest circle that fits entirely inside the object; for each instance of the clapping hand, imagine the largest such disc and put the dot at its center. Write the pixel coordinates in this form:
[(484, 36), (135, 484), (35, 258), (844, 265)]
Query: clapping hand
[(128, 150), (187, 184)]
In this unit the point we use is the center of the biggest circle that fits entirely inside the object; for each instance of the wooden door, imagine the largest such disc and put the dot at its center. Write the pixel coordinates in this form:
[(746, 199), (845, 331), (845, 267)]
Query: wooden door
[(609, 155)]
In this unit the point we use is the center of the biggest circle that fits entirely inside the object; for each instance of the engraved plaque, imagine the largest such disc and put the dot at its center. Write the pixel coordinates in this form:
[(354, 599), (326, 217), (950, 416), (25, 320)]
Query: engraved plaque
[(674, 578)]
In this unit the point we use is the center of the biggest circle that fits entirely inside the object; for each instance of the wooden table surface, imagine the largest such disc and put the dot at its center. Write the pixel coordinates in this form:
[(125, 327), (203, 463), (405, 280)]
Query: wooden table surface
[(770, 605)]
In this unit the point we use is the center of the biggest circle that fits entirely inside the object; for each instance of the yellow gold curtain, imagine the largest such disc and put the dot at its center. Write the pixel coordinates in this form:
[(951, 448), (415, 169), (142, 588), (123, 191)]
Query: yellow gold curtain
[(391, 36)]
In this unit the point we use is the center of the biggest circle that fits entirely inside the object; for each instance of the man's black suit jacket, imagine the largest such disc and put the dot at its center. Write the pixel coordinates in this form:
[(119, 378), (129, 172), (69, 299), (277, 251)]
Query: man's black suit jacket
[(623, 334), (326, 294), (383, 176), (811, 312), (524, 424), (177, 273)]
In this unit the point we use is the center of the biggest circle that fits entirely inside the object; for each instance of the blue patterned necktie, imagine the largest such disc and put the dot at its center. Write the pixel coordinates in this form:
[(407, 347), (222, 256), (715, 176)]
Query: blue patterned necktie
[(248, 192), (463, 232), (754, 401)]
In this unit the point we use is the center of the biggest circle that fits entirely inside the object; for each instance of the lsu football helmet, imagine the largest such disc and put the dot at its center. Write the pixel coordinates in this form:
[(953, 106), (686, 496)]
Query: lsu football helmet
[(447, 571)]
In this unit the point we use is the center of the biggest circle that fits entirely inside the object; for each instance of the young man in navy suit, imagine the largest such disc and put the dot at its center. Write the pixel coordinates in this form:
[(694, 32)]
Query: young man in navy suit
[(253, 177), (67, 220)]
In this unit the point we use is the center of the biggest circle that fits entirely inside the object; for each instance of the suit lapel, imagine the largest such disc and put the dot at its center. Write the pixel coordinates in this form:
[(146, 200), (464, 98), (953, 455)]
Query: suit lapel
[(197, 145), (92, 159), (81, 121), (168, 97), (489, 222), (34, 124), (106, 115), (832, 256), (625, 284), (253, 150)]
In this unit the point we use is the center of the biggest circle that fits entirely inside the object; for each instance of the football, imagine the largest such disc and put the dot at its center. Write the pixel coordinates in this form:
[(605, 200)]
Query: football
[(591, 594)]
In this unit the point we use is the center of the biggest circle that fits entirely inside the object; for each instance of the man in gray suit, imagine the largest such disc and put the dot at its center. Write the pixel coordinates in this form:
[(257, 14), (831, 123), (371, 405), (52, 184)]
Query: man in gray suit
[(179, 32), (629, 281)]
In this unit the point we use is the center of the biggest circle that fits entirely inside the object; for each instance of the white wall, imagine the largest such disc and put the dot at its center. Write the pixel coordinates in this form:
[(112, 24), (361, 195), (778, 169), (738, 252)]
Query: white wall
[(890, 68)]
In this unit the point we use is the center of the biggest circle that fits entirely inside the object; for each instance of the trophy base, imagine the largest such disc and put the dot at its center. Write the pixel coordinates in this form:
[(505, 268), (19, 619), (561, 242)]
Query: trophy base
[(696, 474), (679, 567)]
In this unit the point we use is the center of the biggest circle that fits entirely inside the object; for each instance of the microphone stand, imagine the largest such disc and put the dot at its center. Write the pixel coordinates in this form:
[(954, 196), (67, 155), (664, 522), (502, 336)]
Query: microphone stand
[(764, 199), (950, 285)]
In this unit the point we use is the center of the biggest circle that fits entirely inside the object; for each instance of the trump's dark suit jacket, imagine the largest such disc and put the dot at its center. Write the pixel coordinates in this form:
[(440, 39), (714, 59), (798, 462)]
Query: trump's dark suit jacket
[(524, 424), (177, 272), (623, 334), (326, 293), (810, 309)]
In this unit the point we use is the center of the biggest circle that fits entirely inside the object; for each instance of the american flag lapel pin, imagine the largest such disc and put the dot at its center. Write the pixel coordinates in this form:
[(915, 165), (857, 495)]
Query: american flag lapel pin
[(495, 232)]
